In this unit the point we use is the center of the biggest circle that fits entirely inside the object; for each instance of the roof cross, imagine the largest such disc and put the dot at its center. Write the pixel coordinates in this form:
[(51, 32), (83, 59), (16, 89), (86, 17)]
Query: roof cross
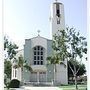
[(38, 32)]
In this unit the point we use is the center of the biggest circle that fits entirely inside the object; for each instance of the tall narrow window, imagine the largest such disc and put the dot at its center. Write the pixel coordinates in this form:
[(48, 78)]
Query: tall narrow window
[(38, 55), (57, 10), (58, 20), (58, 13)]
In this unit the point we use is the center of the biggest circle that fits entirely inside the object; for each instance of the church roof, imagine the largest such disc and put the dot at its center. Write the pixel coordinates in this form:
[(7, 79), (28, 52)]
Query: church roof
[(37, 37)]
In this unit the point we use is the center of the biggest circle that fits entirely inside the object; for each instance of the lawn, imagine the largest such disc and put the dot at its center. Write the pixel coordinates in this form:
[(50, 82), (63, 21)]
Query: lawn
[(72, 87)]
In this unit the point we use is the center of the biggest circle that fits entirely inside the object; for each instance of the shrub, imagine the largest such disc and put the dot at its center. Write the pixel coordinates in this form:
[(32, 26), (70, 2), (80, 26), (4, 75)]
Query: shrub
[(14, 83)]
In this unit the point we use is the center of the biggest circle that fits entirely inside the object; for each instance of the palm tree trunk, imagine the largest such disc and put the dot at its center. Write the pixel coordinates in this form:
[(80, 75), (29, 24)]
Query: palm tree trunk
[(22, 77), (54, 72)]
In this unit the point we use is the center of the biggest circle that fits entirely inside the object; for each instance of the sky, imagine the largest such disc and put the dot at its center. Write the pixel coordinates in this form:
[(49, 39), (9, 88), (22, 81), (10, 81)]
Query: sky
[(23, 18)]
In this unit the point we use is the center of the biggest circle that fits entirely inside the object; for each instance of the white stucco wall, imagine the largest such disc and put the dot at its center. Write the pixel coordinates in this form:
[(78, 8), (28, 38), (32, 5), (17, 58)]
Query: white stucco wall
[(39, 41), (19, 74), (61, 74), (39, 68)]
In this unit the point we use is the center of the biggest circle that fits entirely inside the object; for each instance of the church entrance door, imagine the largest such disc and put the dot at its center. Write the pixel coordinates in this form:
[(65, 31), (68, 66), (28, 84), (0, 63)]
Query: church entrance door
[(33, 77), (42, 76)]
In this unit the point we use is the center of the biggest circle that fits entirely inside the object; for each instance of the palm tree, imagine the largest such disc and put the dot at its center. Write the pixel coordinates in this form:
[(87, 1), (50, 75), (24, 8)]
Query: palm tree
[(21, 63), (59, 49), (54, 59)]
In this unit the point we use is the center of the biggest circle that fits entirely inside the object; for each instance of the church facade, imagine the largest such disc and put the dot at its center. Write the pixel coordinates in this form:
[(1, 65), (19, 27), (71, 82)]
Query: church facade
[(37, 49)]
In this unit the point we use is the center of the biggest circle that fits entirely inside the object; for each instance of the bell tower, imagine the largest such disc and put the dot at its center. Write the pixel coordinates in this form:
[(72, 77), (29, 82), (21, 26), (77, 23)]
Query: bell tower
[(57, 19)]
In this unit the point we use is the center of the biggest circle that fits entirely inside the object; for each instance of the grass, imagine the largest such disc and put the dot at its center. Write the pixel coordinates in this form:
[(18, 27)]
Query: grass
[(72, 87)]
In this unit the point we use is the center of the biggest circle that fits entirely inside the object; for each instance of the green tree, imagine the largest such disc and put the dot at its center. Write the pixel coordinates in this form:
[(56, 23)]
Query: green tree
[(68, 45), (10, 48), (81, 71), (7, 69), (77, 49), (7, 72)]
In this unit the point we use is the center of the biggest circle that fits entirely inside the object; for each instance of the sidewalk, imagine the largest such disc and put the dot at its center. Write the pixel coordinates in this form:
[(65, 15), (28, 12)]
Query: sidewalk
[(42, 88)]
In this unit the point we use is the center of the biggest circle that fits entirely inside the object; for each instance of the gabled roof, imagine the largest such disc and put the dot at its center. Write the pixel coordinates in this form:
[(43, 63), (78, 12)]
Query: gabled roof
[(37, 37)]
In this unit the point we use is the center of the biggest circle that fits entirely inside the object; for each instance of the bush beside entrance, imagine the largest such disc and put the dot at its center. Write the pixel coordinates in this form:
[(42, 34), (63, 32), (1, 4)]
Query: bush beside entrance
[(14, 83)]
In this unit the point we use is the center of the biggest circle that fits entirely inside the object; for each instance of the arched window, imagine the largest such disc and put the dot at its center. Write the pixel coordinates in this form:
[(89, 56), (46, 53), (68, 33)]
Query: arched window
[(38, 55)]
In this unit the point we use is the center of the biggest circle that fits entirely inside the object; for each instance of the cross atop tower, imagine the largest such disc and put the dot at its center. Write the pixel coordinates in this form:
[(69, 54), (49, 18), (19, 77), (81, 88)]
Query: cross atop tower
[(38, 32), (56, 0)]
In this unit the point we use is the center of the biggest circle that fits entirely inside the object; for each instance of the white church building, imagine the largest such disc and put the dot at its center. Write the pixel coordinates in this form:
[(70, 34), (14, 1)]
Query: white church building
[(37, 49)]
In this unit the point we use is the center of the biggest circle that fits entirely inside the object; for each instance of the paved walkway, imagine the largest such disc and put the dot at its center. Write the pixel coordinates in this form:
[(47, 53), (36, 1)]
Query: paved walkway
[(37, 88), (42, 88)]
